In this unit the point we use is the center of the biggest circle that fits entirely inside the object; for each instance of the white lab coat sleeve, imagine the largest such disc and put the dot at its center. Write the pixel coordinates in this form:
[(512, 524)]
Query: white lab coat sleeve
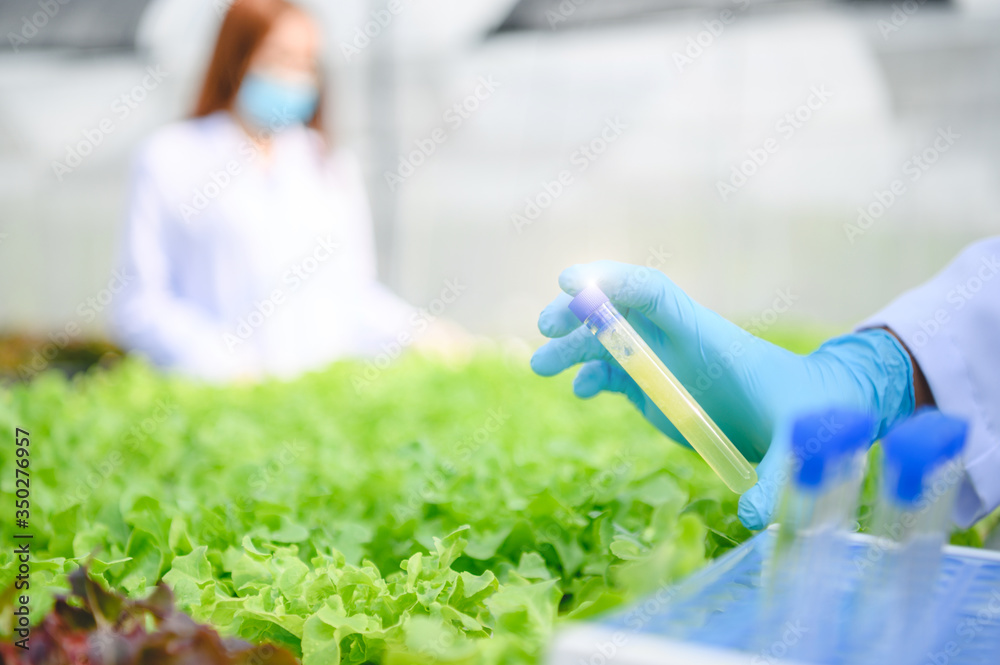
[(386, 320), (149, 318), (951, 325)]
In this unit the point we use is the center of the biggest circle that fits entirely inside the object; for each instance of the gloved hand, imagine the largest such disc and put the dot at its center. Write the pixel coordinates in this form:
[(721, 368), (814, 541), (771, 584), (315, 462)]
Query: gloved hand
[(750, 387)]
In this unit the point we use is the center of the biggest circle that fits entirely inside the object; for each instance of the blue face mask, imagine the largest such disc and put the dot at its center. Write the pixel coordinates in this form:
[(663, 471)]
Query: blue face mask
[(272, 104)]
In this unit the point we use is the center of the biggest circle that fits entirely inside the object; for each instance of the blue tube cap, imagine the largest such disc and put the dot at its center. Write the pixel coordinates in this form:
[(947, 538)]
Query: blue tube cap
[(822, 438), (587, 302), (918, 447)]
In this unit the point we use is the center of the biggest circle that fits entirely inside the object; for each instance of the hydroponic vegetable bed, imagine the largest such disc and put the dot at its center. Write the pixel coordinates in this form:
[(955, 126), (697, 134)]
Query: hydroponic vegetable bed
[(430, 512)]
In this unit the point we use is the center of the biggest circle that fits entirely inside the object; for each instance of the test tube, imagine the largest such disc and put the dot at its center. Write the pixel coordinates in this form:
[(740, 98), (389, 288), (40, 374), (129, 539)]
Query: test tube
[(597, 313), (828, 463), (922, 470), (802, 578), (900, 568)]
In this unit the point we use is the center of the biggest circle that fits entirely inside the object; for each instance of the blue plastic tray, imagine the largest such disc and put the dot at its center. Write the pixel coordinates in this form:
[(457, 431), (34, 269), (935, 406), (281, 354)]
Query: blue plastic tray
[(711, 616)]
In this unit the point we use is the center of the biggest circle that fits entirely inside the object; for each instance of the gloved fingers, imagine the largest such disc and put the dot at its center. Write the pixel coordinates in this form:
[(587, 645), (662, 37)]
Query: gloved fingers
[(591, 379), (562, 353), (556, 320), (647, 290), (598, 375), (655, 336), (758, 504)]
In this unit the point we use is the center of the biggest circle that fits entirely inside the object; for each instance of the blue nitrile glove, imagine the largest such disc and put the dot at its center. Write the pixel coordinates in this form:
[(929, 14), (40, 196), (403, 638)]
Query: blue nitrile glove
[(750, 387)]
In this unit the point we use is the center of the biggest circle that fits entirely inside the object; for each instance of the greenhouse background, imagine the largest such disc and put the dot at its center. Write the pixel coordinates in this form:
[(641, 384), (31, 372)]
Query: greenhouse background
[(205, 468), (694, 88)]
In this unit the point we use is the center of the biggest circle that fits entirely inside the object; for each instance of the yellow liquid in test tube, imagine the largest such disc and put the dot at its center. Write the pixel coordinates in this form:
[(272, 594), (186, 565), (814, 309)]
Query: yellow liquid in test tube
[(661, 386)]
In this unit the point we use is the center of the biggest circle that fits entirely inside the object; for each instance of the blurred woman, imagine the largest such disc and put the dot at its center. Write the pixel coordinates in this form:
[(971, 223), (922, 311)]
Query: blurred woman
[(249, 241)]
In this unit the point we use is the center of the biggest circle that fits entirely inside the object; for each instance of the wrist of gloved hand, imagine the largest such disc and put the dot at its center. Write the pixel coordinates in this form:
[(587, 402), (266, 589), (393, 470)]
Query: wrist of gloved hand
[(882, 370), (869, 370)]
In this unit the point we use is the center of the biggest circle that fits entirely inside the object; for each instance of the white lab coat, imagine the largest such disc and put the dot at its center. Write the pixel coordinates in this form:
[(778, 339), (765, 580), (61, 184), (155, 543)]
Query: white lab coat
[(951, 325), (240, 264)]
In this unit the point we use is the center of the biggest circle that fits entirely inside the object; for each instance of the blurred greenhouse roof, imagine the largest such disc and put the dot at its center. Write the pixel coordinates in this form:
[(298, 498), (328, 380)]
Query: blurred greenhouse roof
[(548, 14), (559, 84), (90, 25)]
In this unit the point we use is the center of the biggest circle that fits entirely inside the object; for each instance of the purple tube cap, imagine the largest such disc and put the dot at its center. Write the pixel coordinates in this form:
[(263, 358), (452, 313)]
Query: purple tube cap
[(587, 302)]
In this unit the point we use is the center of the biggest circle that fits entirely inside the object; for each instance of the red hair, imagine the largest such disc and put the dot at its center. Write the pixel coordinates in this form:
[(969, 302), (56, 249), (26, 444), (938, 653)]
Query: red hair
[(243, 30)]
